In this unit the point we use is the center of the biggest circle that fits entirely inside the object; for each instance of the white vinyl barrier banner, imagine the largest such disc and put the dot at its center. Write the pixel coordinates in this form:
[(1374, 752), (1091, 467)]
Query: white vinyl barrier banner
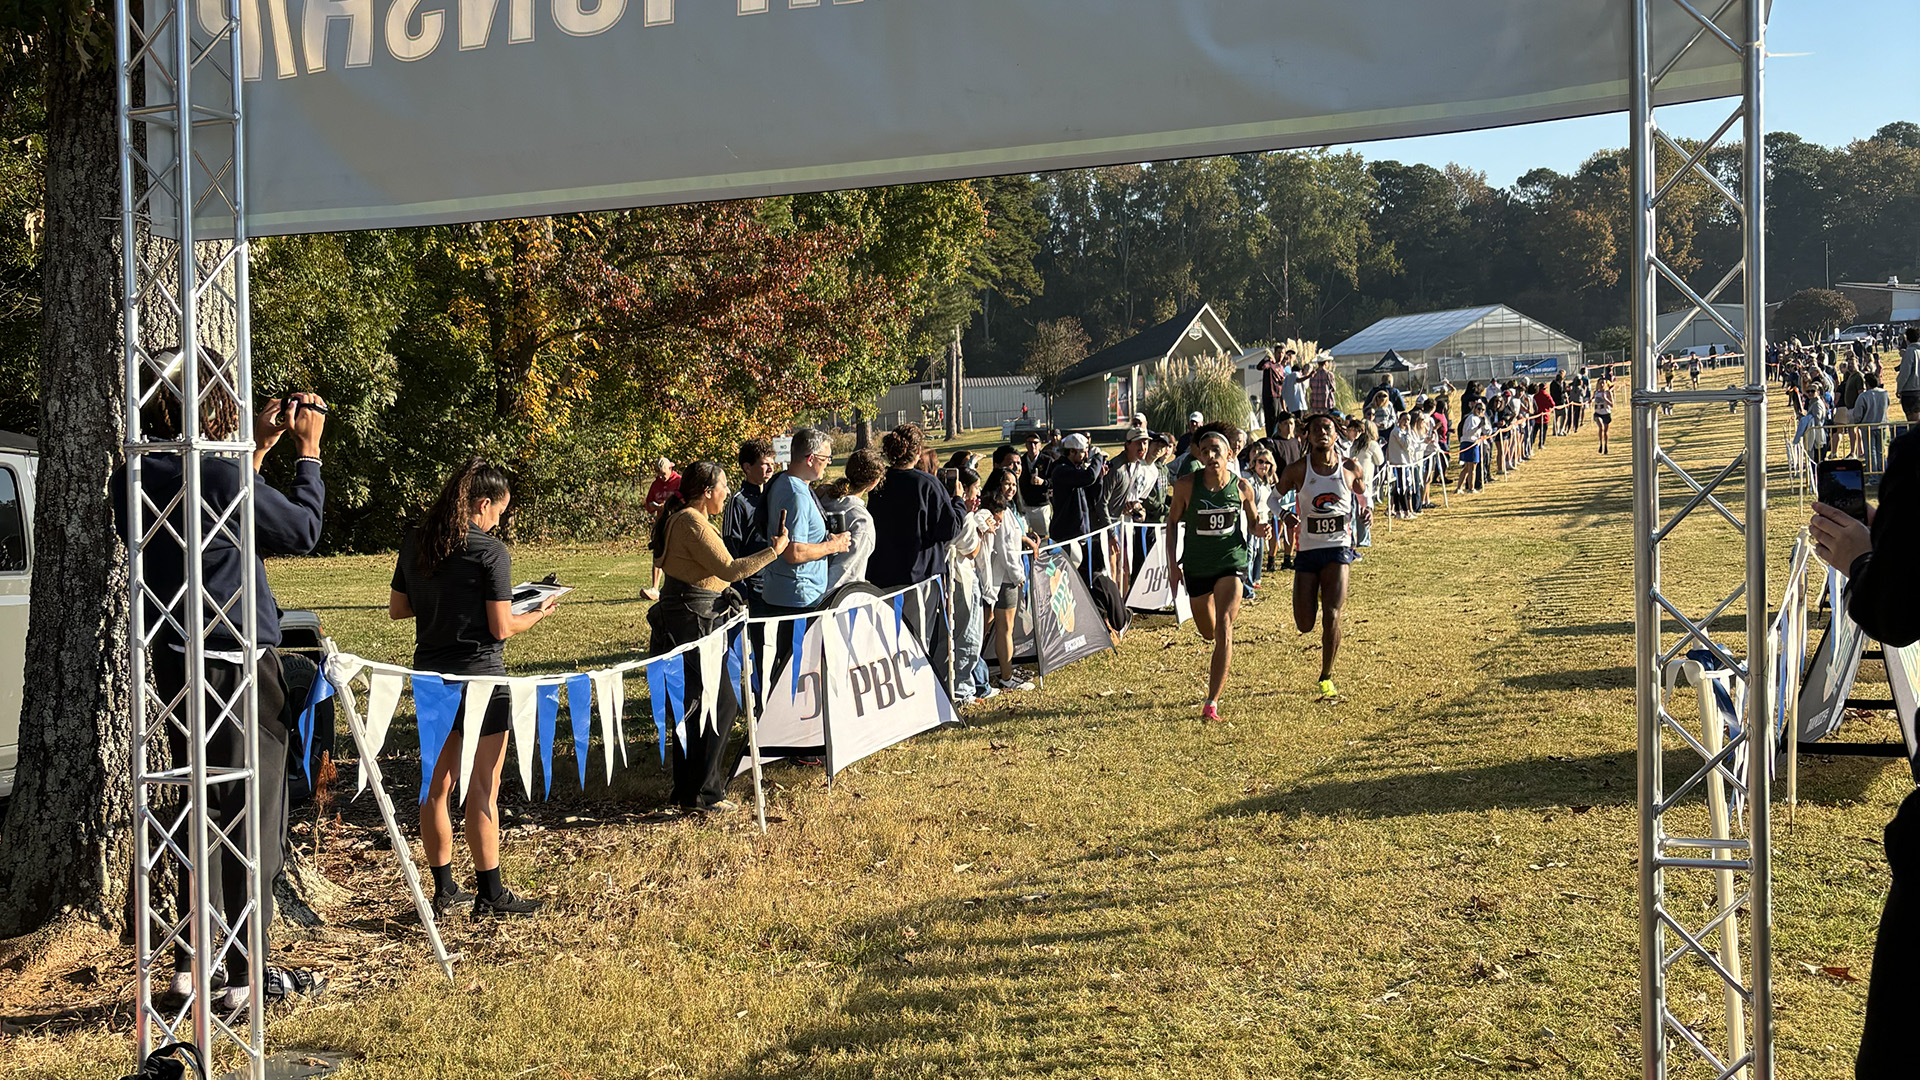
[(408, 112)]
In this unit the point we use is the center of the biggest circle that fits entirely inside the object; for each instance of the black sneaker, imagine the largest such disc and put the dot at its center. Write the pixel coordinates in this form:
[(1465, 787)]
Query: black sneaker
[(505, 904), (281, 984), (444, 903)]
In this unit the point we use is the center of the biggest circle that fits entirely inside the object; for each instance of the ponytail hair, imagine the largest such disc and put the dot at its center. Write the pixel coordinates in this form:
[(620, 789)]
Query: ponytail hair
[(445, 529), (696, 480), (865, 468)]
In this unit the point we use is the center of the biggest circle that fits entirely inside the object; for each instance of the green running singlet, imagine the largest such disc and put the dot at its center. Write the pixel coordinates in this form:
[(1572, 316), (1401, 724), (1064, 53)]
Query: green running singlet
[(1214, 544)]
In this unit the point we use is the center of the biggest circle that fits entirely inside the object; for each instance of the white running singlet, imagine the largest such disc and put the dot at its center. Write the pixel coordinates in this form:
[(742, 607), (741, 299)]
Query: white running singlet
[(1325, 507)]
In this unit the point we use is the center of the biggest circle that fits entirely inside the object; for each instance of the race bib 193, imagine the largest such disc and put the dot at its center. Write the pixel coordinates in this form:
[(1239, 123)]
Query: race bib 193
[(1327, 526)]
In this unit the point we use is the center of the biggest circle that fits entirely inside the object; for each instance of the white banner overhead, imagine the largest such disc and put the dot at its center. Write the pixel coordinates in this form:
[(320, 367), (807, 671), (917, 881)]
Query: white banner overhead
[(410, 112)]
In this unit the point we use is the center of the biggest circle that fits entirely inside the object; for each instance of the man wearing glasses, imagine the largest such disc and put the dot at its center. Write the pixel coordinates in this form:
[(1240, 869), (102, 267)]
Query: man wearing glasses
[(797, 581)]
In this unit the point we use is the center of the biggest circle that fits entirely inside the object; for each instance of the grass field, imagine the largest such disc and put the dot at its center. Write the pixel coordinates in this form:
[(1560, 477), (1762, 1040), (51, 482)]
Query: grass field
[(1434, 875)]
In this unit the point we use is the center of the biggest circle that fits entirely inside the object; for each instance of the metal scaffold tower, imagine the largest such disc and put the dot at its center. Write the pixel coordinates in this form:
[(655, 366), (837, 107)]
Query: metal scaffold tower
[(184, 295), (1705, 882)]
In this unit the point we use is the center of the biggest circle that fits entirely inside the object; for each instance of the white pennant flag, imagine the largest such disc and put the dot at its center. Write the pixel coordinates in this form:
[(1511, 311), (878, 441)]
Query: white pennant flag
[(383, 697), (603, 689), (711, 652), (620, 713), (479, 694), (525, 719)]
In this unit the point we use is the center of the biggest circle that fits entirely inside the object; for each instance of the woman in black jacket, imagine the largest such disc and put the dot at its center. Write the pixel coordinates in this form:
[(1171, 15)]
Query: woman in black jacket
[(915, 516), (1883, 596)]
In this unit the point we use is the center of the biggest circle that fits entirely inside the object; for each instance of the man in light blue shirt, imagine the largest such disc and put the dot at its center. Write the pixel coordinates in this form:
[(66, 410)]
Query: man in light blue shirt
[(797, 581)]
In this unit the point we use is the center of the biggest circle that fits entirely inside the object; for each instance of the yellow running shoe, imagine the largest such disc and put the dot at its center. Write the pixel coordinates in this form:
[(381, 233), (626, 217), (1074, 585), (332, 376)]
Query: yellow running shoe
[(1327, 689)]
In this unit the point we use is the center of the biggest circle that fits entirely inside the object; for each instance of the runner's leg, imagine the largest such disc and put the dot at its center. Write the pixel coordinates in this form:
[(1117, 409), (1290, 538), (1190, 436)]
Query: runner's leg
[(1202, 612), (1306, 601), (1226, 602), (1333, 597)]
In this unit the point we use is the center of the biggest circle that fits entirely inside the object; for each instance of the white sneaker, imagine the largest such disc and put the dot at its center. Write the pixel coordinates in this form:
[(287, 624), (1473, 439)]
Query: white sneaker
[(1016, 683), (182, 983)]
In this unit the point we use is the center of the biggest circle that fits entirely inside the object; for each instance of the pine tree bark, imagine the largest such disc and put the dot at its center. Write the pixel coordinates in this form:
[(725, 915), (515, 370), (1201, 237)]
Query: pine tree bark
[(66, 844)]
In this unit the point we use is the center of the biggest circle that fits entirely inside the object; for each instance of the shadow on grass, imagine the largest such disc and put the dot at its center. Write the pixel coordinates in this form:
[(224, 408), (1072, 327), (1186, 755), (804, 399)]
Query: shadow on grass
[(1612, 678), (1534, 783)]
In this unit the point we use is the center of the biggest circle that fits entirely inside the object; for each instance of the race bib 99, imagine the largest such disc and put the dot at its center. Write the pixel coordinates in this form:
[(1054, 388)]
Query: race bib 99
[(1219, 522)]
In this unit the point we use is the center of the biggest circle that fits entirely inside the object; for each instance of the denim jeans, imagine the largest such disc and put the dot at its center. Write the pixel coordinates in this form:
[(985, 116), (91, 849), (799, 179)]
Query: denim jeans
[(969, 625)]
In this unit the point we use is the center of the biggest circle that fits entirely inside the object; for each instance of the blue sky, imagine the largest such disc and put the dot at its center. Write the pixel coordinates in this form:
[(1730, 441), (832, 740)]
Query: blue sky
[(1860, 71)]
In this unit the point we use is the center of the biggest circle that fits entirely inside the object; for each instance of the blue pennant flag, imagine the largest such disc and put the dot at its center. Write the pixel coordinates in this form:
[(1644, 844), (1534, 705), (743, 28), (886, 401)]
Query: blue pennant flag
[(899, 617), (799, 641), (547, 701), (436, 704), (320, 691), (676, 685), (736, 658), (657, 697), (580, 711), (942, 582)]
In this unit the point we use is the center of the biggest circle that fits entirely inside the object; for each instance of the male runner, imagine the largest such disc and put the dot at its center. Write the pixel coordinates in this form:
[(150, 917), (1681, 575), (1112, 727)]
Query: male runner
[(1217, 509), (1330, 498)]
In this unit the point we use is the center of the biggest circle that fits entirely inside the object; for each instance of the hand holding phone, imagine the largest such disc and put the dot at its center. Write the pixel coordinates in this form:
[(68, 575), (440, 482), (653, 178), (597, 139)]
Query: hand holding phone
[(1842, 484)]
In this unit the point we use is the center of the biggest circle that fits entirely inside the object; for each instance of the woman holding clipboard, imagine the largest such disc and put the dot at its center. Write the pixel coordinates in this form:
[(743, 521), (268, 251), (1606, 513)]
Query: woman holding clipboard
[(455, 580)]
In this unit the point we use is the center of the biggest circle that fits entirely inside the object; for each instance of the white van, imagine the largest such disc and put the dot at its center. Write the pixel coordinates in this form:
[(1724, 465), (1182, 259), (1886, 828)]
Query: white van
[(19, 458)]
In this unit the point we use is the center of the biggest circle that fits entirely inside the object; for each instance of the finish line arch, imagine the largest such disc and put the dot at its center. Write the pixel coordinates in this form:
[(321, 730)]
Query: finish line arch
[(242, 118)]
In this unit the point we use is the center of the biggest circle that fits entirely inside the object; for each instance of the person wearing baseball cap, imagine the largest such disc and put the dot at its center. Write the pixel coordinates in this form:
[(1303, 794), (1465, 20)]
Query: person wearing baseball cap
[(1194, 420), (1078, 507), (1132, 486)]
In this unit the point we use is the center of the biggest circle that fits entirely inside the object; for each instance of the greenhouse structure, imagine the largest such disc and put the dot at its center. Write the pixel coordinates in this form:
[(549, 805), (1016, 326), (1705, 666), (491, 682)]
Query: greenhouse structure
[(1494, 342)]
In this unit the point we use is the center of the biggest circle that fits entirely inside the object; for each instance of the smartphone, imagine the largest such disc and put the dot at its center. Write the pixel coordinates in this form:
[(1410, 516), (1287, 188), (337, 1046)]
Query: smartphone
[(949, 476), (836, 522), (1842, 484)]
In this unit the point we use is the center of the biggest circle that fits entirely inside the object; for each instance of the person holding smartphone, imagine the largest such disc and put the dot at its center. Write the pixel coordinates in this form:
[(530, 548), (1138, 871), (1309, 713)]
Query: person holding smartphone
[(454, 579), (697, 597), (1879, 551)]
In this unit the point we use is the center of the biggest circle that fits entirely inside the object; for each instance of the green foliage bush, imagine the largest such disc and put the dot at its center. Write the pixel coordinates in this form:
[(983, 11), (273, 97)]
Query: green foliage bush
[(1208, 386)]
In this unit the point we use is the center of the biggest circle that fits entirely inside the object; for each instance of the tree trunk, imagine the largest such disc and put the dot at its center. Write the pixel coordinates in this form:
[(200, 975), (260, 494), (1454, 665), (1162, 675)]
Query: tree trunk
[(66, 843), (862, 430)]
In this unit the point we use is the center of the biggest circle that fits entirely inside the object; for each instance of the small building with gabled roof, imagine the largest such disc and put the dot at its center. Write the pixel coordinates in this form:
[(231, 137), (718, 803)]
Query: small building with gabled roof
[(1492, 342), (1108, 387)]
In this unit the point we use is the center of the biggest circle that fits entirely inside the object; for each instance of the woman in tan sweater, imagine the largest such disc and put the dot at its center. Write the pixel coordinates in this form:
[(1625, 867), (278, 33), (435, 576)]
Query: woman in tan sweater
[(696, 597)]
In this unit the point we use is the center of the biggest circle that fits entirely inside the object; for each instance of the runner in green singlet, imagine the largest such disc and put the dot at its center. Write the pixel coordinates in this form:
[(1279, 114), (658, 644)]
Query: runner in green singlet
[(1211, 513)]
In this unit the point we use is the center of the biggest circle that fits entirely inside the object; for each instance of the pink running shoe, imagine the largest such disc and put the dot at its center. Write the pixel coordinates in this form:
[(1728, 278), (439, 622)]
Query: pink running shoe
[(1210, 712)]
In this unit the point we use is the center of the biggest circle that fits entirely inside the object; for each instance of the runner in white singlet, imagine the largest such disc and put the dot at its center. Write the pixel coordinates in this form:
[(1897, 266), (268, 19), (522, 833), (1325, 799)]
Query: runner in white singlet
[(1327, 504)]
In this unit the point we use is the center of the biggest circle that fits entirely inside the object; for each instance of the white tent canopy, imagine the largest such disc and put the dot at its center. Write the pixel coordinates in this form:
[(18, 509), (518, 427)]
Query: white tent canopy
[(503, 108)]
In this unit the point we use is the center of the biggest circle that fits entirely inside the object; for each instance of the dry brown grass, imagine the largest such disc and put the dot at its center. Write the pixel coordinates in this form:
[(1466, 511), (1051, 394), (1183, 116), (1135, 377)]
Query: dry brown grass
[(1434, 875)]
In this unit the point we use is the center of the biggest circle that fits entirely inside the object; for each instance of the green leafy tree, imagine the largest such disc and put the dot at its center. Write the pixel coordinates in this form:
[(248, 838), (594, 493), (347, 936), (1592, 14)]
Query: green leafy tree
[(1057, 345), (1811, 314)]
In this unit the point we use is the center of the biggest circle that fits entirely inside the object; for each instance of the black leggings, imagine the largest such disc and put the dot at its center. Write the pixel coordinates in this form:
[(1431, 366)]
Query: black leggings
[(227, 802)]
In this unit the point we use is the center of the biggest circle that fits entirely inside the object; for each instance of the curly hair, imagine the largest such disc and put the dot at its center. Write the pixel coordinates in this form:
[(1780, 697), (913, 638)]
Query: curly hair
[(903, 445)]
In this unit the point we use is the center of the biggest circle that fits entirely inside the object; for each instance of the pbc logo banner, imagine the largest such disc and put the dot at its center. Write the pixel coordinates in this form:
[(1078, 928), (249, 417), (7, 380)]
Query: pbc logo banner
[(863, 683)]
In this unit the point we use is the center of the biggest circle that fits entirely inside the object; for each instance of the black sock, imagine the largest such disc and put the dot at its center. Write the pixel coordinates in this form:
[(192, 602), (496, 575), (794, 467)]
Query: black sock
[(490, 887), (443, 880)]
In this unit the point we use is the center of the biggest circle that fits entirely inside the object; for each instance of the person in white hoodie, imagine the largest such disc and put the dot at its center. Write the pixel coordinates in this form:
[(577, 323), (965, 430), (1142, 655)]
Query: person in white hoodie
[(1005, 575), (965, 556), (843, 505)]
